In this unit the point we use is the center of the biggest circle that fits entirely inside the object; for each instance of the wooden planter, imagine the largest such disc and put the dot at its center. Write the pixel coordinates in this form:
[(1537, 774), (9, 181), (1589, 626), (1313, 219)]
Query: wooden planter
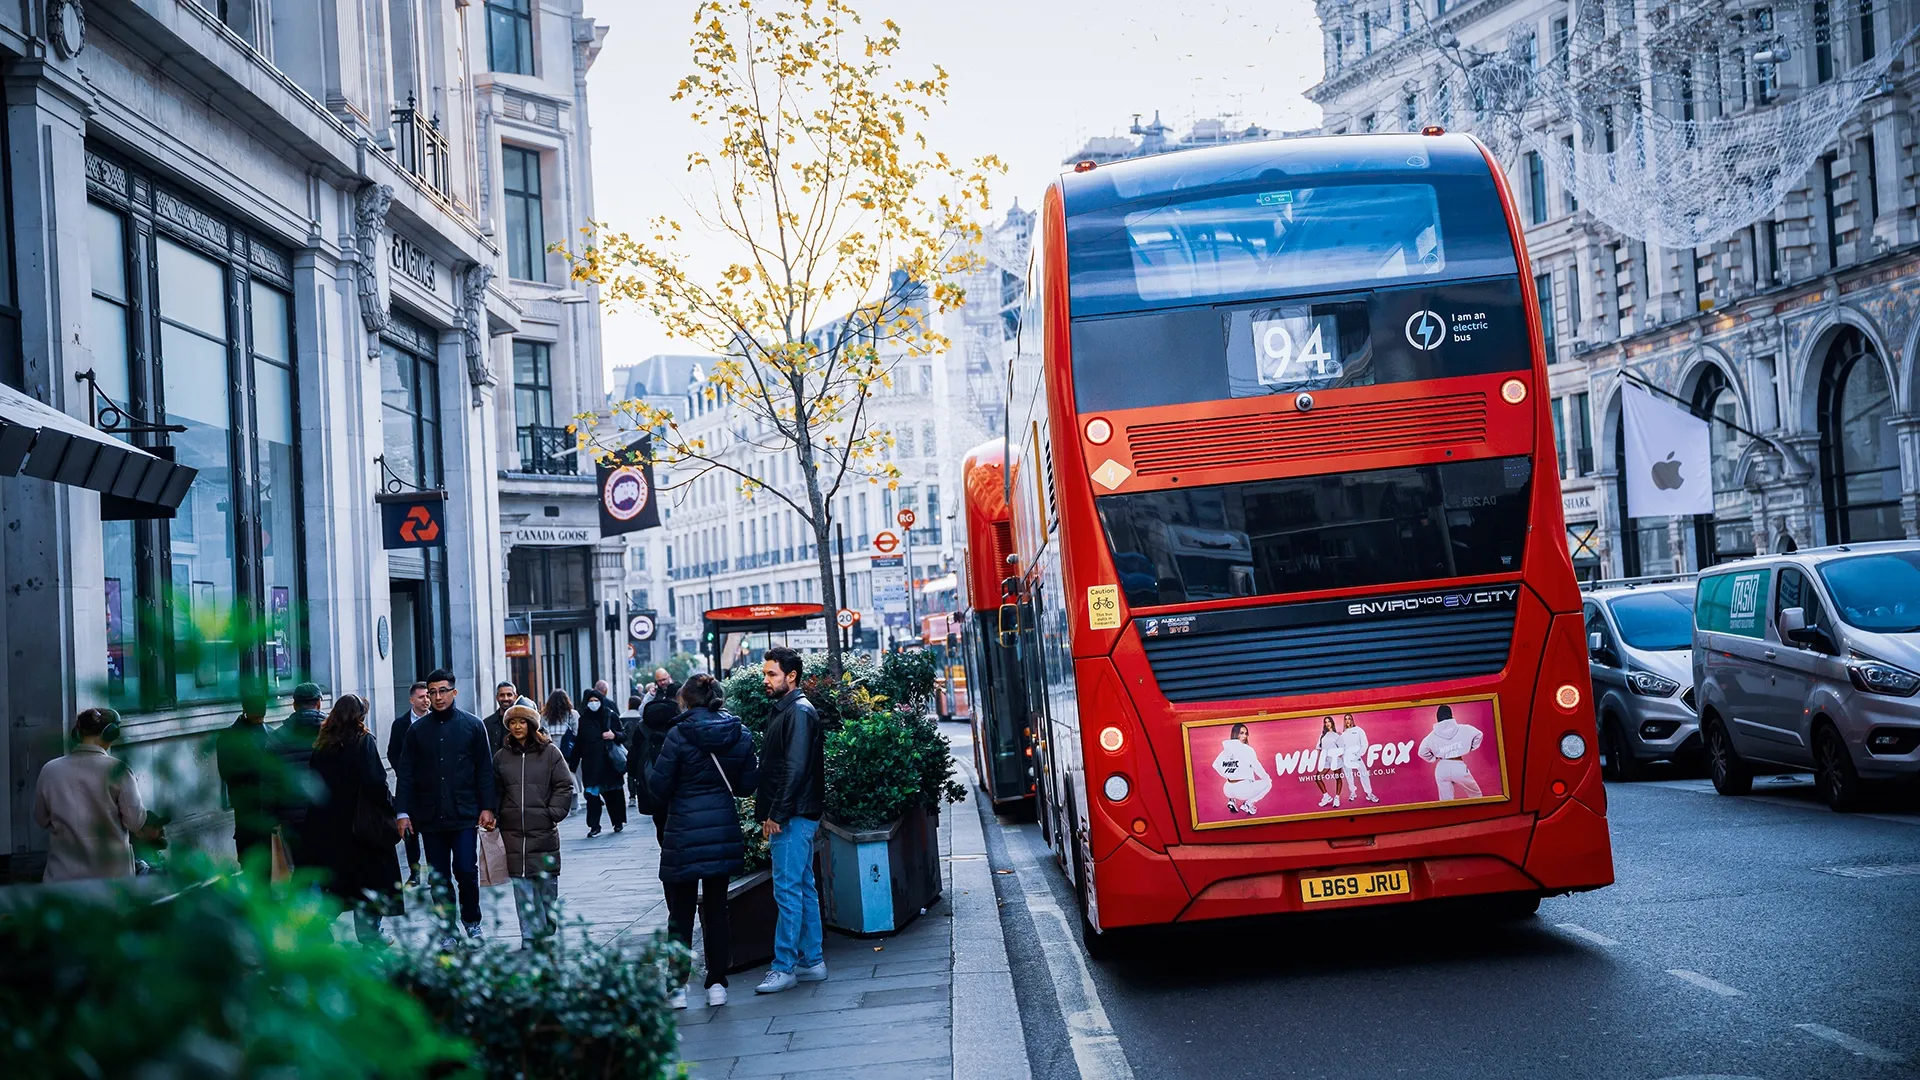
[(875, 881), (751, 914)]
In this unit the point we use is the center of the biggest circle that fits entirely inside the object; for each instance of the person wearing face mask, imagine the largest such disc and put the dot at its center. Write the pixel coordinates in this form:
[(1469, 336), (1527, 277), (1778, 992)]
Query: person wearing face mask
[(599, 732)]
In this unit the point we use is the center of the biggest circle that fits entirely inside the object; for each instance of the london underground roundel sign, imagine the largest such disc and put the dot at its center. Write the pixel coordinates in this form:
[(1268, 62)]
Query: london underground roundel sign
[(886, 543)]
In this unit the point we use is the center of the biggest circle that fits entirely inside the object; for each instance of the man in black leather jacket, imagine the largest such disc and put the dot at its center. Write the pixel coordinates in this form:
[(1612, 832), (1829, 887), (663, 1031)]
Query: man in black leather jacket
[(789, 805)]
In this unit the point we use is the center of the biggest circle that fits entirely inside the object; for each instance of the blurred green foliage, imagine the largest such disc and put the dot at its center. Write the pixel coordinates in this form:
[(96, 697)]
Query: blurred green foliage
[(221, 979)]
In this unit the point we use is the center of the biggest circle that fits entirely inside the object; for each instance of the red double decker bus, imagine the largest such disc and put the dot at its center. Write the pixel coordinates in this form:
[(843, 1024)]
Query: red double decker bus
[(1002, 737), (1294, 592)]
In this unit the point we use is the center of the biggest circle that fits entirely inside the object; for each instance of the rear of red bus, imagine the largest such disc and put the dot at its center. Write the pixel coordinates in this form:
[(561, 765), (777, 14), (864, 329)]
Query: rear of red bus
[(1290, 542), (1002, 743)]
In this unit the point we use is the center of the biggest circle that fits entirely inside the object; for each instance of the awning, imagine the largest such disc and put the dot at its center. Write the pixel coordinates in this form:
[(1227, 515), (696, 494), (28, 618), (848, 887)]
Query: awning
[(943, 583), (39, 440)]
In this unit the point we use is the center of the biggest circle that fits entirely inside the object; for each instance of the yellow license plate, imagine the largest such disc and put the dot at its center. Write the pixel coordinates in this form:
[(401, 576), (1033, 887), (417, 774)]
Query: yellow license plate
[(1320, 888)]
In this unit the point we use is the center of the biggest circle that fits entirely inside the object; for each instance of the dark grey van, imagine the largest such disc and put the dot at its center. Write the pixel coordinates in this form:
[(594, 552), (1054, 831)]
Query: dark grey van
[(1640, 655), (1812, 661)]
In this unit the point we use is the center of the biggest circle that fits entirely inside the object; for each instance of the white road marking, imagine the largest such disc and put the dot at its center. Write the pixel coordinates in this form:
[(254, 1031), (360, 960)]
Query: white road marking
[(1705, 983), (1894, 870), (1096, 1049), (1858, 1046), (1580, 931)]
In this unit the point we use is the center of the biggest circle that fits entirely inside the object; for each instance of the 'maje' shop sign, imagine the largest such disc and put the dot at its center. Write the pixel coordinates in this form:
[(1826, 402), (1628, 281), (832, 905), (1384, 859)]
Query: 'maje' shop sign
[(552, 536)]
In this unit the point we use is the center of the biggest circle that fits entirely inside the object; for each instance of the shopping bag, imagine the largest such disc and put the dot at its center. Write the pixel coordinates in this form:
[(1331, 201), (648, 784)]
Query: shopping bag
[(493, 857), (283, 866)]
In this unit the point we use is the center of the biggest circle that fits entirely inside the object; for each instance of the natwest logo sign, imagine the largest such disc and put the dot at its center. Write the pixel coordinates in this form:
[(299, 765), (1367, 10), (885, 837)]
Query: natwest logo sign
[(413, 519)]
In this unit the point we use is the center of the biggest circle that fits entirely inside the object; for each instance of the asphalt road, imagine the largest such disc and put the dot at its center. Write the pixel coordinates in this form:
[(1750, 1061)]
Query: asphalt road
[(1754, 937)]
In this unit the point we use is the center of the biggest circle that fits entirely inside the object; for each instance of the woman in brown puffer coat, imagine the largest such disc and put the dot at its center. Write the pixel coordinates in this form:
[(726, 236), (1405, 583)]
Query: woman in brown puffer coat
[(536, 792)]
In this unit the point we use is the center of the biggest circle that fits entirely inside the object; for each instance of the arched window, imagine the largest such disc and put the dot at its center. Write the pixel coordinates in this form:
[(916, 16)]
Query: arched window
[(1859, 457), (1728, 534)]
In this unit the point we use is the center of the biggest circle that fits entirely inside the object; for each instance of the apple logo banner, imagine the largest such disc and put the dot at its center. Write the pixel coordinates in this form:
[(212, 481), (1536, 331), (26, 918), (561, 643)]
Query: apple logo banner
[(1665, 448)]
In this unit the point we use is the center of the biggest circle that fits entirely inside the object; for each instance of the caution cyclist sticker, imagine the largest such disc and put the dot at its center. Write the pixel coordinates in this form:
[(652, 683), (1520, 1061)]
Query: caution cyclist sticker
[(1103, 607)]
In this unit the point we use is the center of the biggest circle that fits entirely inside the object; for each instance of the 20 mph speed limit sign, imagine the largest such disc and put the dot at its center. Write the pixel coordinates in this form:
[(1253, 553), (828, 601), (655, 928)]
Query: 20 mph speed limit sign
[(846, 618)]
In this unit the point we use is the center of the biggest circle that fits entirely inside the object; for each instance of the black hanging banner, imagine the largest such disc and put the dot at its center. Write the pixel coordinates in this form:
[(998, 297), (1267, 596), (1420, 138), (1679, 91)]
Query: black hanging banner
[(413, 519), (627, 502)]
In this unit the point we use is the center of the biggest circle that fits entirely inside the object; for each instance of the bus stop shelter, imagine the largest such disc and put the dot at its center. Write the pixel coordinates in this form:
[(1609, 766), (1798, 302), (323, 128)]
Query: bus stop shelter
[(767, 619)]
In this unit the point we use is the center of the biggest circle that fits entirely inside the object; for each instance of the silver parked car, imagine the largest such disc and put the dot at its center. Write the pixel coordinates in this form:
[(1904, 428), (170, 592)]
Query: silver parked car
[(1812, 661), (1640, 654)]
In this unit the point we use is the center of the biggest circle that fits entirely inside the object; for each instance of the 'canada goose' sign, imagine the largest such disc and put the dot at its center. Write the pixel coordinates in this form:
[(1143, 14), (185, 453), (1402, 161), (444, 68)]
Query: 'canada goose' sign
[(1669, 457)]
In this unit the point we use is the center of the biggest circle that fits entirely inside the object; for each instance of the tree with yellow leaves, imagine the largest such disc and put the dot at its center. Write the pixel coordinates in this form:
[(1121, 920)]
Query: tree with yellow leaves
[(851, 234)]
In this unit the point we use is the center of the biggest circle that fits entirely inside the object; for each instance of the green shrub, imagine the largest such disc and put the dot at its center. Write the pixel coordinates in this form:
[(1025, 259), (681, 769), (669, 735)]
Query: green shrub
[(563, 1010), (906, 679), (759, 851), (223, 979), (679, 666), (882, 764)]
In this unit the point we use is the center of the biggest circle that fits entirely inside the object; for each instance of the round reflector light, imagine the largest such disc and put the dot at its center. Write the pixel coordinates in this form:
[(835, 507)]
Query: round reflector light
[(1567, 696), (1572, 746), (1116, 788), (1559, 788), (1513, 391), (1112, 739), (1139, 826), (1099, 431)]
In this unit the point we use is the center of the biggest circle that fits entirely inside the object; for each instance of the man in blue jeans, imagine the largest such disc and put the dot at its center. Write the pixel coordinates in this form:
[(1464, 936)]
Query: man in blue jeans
[(443, 789), (790, 802)]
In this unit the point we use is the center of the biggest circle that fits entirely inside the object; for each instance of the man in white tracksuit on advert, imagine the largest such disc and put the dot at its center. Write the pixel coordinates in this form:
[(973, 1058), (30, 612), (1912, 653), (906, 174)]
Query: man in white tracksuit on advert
[(1447, 746), (1246, 780), (1353, 759)]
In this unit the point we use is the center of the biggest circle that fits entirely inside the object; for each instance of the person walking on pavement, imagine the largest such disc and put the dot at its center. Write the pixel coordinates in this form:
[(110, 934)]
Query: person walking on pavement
[(707, 757), (292, 743), (789, 806), (630, 737), (445, 781), (536, 793), (599, 733), (662, 686), (89, 802), (417, 709), (349, 830), (504, 698), (251, 775), (657, 717)]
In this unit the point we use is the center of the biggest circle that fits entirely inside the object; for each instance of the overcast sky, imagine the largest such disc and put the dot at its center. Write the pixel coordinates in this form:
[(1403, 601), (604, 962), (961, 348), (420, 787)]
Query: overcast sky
[(1031, 81)]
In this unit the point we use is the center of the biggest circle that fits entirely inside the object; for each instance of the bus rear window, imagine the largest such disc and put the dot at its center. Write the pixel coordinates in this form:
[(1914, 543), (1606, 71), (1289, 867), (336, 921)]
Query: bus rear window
[(1285, 241), (1339, 530)]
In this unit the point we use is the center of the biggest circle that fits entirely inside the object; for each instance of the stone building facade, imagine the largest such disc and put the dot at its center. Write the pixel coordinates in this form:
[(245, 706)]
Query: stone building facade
[(1798, 332), (274, 234)]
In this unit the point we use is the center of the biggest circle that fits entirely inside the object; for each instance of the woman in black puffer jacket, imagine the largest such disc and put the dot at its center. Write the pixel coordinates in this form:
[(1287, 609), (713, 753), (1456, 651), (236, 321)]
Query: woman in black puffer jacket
[(707, 759)]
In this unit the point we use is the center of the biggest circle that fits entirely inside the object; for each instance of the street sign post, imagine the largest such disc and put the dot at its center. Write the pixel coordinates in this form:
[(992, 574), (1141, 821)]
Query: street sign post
[(846, 618), (905, 518)]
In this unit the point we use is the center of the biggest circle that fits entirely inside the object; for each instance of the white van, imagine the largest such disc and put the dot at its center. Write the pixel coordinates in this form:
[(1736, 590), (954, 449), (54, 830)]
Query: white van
[(1811, 661)]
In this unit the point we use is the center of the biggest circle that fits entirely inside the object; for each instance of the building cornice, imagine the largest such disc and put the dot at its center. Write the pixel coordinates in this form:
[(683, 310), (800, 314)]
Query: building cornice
[(1358, 73)]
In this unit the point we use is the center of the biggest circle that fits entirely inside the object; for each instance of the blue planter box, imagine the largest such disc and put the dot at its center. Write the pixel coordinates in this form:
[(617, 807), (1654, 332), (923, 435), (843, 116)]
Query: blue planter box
[(876, 881)]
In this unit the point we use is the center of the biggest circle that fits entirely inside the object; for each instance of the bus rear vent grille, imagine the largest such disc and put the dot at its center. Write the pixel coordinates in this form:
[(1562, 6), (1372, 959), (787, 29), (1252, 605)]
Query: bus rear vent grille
[(1002, 548), (1328, 657), (1338, 431)]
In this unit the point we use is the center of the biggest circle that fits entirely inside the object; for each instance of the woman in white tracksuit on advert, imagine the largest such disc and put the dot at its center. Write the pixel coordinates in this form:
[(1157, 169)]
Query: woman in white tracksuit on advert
[(1329, 766), (1246, 780), (1353, 759), (1447, 746)]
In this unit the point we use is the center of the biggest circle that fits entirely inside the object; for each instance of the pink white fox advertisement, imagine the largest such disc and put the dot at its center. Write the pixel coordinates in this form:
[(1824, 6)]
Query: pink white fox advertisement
[(1259, 769)]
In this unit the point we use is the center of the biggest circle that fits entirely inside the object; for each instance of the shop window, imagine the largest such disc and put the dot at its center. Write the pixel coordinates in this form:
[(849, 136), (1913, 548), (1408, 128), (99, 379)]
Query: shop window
[(1860, 459), (211, 599)]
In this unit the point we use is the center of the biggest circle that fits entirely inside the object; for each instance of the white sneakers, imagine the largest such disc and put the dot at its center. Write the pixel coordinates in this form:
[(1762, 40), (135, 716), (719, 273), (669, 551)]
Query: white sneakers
[(776, 981), (1371, 797), (677, 999), (716, 995), (1325, 799)]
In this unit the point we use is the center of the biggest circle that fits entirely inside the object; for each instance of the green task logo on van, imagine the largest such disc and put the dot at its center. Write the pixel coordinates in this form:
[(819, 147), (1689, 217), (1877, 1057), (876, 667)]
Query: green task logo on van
[(1733, 603)]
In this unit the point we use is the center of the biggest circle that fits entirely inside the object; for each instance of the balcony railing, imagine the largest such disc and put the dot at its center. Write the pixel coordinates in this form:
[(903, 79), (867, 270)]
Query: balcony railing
[(547, 451), (420, 148)]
